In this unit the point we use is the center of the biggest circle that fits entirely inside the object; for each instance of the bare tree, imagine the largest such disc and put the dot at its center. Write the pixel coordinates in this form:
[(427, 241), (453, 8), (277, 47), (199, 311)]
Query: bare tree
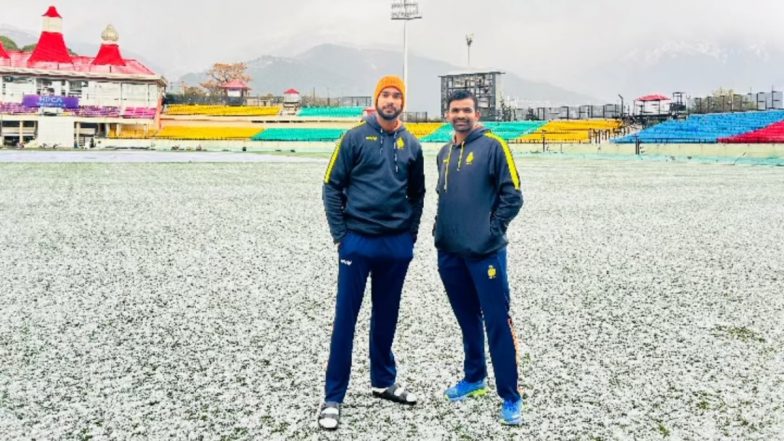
[(222, 73)]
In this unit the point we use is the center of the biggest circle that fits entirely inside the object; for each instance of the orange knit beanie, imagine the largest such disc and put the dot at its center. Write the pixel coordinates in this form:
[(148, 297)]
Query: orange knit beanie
[(390, 81)]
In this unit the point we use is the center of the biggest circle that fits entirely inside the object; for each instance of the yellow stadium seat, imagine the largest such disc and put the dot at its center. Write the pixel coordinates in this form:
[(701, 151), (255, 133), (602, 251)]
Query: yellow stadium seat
[(207, 132), (134, 132), (571, 131), (420, 130), (210, 110)]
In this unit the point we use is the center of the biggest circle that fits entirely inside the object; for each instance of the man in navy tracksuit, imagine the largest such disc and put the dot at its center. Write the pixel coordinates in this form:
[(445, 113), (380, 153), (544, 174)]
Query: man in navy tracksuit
[(478, 196), (373, 193)]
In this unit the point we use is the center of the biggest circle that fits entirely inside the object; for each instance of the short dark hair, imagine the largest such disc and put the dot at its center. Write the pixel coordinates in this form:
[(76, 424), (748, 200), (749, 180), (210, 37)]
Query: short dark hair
[(461, 95)]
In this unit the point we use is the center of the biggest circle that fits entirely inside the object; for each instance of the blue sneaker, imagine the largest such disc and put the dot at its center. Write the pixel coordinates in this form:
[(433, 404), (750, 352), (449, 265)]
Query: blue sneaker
[(512, 412), (464, 389)]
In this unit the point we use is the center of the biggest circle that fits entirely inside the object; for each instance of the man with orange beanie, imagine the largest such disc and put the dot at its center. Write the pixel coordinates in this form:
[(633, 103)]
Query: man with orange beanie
[(373, 194)]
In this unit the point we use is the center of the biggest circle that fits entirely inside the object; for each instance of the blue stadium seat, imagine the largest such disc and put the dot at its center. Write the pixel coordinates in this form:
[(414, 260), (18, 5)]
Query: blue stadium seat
[(704, 128)]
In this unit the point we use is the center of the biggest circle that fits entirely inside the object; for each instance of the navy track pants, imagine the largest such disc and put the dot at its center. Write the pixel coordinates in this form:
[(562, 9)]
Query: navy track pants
[(385, 259), (478, 290)]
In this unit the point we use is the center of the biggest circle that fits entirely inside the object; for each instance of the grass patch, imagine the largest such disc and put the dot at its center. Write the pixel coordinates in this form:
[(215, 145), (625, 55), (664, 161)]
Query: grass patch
[(741, 333), (663, 430)]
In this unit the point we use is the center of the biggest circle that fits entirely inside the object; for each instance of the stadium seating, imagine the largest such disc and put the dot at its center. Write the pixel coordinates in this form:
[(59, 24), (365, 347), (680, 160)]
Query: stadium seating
[(98, 111), (513, 130), (442, 134), (421, 130), (770, 134), (207, 132), (705, 128), (134, 132), (299, 134), (210, 110), (139, 112), (571, 131), (331, 112), (506, 130), (16, 108)]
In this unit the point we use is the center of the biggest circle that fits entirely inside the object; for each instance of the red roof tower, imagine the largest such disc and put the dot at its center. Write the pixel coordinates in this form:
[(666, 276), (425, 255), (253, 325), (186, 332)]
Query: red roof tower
[(109, 53), (3, 53), (51, 45)]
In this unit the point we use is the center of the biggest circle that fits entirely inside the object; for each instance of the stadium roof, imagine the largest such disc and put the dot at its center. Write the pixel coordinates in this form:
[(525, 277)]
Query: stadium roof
[(52, 13), (109, 55), (50, 48), (654, 97), (236, 84), (51, 57), (79, 67)]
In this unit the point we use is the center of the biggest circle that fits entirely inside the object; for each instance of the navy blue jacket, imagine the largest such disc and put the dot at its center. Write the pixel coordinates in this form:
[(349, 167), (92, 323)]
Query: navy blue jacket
[(478, 195), (375, 182)]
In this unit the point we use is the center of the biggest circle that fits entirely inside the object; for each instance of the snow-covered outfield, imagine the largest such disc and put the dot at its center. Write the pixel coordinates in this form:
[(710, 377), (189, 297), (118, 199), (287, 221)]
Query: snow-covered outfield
[(194, 301)]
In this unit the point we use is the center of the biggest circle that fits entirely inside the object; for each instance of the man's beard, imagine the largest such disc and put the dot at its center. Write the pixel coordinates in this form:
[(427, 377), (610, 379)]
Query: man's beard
[(467, 127), (387, 117)]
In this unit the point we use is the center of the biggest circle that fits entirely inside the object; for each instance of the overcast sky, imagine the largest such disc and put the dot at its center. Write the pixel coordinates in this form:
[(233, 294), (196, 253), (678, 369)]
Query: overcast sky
[(550, 40)]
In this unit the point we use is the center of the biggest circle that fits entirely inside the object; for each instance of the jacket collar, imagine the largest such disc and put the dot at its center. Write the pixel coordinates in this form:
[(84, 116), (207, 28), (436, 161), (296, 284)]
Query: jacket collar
[(373, 122), (477, 132)]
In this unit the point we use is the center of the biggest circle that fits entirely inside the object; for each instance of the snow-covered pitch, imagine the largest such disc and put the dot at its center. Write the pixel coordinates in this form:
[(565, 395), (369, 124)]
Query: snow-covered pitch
[(195, 301)]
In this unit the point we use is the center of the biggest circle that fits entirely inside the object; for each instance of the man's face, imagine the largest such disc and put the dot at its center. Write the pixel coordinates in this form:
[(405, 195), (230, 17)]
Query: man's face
[(462, 115), (389, 104)]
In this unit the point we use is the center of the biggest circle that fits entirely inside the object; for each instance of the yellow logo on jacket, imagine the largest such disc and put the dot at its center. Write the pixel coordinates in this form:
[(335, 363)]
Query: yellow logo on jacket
[(401, 144), (491, 272), (371, 138), (470, 158)]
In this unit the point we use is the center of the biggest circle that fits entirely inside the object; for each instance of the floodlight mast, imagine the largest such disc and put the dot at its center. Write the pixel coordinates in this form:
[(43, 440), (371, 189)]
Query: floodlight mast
[(469, 42), (405, 10)]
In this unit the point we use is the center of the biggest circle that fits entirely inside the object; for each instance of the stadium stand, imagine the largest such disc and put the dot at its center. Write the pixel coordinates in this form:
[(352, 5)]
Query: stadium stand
[(773, 134), (331, 112), (134, 132), (506, 130), (571, 131), (139, 112), (299, 134), (442, 134), (210, 110), (16, 108), (513, 130), (207, 132), (421, 130), (704, 128), (98, 111)]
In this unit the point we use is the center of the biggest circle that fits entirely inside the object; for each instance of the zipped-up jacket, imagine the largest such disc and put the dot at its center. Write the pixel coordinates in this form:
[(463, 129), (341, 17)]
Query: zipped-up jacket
[(478, 195), (375, 182)]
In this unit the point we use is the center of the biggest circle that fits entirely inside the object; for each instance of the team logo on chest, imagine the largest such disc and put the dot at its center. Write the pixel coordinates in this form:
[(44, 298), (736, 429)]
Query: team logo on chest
[(491, 272), (401, 144), (470, 158)]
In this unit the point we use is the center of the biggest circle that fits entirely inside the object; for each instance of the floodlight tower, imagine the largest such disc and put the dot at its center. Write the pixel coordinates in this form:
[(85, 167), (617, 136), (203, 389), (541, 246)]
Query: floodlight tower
[(469, 42), (405, 10)]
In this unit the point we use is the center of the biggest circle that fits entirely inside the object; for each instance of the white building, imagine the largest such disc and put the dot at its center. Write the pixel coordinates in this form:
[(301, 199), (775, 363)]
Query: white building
[(55, 97)]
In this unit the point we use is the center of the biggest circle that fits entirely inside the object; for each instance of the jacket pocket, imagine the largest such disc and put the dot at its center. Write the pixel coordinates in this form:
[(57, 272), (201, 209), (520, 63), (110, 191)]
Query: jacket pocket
[(495, 227)]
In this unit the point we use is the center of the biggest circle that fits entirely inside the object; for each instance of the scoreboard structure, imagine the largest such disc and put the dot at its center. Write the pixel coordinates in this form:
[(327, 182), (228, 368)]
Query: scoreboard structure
[(485, 85)]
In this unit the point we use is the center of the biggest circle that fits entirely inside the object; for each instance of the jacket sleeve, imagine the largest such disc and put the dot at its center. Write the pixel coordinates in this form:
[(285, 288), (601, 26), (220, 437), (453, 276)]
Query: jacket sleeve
[(416, 190), (336, 179), (507, 182)]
